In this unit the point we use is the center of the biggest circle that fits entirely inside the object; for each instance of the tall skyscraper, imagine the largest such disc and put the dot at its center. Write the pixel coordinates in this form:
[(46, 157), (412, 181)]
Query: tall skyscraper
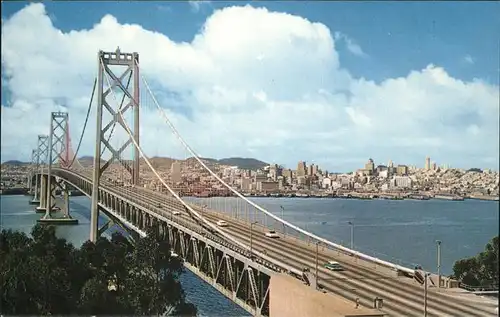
[(370, 166), (301, 168), (310, 170), (315, 169), (427, 163)]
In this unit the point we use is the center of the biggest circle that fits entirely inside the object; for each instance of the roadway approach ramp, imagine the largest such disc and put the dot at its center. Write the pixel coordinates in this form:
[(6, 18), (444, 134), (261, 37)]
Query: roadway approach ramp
[(290, 297)]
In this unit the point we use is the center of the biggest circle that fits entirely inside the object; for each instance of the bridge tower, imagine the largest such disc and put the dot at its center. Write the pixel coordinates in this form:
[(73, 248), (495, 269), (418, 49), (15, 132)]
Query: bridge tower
[(32, 170), (130, 63), (33, 187), (57, 152), (41, 181)]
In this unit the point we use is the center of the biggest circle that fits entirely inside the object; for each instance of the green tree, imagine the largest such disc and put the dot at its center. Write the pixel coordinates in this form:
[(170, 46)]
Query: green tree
[(44, 275), (488, 260), (157, 272), (481, 270)]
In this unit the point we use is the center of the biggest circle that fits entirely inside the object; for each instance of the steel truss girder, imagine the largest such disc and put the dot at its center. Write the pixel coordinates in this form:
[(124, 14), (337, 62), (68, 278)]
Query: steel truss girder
[(217, 268), (182, 244), (196, 252), (112, 221)]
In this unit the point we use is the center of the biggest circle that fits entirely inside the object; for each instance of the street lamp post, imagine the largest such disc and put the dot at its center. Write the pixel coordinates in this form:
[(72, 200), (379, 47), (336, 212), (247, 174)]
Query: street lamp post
[(316, 274), (438, 243), (282, 218), (425, 293), (251, 238), (352, 234)]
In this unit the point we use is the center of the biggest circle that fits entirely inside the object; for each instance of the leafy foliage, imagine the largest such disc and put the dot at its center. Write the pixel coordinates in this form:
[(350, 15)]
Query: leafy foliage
[(481, 270), (44, 275)]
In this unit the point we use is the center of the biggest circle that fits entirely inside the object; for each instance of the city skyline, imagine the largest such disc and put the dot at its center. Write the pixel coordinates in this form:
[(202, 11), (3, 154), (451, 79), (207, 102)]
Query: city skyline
[(433, 165), (313, 87)]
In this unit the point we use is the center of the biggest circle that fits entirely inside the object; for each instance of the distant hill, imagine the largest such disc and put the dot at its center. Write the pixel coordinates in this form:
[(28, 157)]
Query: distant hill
[(166, 162), (475, 169), (243, 163), (163, 163), (88, 161), (14, 162)]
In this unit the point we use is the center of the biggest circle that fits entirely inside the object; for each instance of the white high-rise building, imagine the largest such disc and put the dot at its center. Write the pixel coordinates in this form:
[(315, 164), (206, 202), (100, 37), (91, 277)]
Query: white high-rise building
[(401, 182), (427, 163)]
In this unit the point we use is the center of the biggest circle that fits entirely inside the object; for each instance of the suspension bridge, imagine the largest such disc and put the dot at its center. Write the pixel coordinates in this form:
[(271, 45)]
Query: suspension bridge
[(237, 259)]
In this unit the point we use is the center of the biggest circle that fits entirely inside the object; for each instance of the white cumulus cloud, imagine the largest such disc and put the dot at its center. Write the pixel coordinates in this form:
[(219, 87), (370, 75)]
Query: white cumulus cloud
[(351, 45), (251, 83)]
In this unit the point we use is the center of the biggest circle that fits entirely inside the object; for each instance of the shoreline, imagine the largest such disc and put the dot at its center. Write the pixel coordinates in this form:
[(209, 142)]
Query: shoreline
[(361, 198)]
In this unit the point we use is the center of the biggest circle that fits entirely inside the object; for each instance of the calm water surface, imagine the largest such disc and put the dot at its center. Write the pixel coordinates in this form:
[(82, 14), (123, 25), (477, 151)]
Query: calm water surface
[(400, 231)]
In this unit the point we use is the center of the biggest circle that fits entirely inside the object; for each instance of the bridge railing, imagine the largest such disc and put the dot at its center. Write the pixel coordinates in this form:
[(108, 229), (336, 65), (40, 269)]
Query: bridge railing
[(485, 288)]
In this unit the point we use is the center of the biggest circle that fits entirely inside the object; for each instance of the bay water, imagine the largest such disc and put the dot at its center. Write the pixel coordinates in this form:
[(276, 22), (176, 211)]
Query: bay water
[(401, 231)]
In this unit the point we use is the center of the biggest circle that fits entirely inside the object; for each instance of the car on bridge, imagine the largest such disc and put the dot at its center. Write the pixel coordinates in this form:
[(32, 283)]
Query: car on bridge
[(222, 223), (333, 266), (272, 234)]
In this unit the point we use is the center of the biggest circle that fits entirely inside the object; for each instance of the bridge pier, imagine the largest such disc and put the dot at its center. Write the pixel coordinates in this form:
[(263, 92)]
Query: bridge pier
[(43, 194), (32, 173), (48, 218), (36, 191)]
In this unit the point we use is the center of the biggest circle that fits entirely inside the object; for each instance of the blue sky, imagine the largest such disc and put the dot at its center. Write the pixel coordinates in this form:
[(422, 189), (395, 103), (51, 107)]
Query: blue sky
[(395, 38), (398, 36)]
